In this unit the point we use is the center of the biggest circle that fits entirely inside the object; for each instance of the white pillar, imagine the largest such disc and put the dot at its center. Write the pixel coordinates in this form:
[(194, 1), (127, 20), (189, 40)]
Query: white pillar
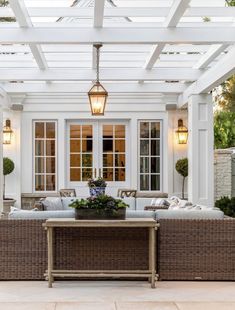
[(1, 155), (200, 150)]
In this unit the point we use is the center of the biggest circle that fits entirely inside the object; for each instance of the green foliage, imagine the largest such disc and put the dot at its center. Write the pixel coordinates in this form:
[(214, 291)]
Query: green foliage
[(100, 202), (8, 166), (225, 99), (100, 182), (4, 3), (181, 167), (230, 2), (206, 19), (224, 129), (226, 205)]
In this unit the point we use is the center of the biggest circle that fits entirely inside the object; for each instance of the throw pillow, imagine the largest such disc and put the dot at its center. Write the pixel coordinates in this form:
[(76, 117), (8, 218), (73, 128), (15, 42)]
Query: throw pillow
[(52, 204)]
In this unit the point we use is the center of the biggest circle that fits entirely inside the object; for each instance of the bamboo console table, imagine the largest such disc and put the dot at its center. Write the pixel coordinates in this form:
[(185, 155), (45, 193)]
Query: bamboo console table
[(149, 224)]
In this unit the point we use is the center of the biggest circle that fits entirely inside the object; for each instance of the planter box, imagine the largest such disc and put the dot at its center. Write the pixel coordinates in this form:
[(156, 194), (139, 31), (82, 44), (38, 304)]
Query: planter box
[(91, 214)]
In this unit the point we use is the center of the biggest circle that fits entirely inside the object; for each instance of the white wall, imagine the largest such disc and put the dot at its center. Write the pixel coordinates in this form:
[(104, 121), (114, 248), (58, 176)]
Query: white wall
[(176, 151), (21, 179)]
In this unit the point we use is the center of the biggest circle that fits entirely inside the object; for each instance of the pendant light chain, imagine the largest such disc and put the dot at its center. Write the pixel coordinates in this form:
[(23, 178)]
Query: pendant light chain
[(98, 62)]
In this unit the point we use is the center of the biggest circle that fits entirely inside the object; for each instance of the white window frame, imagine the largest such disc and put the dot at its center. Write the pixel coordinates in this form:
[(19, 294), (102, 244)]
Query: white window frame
[(161, 155), (56, 155)]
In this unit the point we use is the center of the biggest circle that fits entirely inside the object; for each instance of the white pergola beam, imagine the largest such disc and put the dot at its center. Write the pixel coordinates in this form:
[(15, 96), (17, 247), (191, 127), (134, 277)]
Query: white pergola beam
[(118, 36), (210, 55), (211, 78), (154, 55), (119, 88), (98, 13), (137, 49), (173, 17), (109, 74), (121, 12), (176, 12), (24, 21)]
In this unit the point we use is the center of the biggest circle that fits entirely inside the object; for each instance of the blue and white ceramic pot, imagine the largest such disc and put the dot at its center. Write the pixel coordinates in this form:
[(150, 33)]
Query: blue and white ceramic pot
[(96, 191)]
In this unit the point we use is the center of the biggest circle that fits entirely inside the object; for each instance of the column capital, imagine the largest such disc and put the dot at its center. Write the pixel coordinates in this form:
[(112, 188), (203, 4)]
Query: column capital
[(200, 98)]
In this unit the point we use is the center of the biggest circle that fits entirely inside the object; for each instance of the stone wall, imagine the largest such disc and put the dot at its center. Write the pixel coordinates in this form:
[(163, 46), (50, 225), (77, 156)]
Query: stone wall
[(223, 173)]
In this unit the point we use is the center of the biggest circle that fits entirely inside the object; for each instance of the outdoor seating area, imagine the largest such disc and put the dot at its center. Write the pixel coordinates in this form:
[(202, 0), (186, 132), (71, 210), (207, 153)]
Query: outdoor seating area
[(117, 154)]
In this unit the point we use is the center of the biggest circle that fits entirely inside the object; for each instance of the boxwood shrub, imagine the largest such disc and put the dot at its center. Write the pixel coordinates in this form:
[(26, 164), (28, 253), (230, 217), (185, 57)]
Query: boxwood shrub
[(227, 205)]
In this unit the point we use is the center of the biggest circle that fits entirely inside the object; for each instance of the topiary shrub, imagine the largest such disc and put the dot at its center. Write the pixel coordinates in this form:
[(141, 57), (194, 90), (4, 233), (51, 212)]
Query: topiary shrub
[(181, 167), (8, 167), (227, 205)]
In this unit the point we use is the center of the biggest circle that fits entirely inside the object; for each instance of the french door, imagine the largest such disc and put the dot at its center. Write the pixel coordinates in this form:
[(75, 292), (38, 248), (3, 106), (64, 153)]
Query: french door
[(98, 149)]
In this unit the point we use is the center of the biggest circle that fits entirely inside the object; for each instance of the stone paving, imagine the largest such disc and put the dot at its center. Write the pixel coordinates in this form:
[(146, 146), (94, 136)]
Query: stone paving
[(117, 295)]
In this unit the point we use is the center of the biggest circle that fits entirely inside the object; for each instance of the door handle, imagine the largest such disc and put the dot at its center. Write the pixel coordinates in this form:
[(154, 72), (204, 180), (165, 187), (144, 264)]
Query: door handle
[(99, 172), (95, 173)]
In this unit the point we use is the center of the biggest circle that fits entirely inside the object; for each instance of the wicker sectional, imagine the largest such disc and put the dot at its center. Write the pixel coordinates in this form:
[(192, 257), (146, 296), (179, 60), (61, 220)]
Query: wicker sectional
[(187, 249)]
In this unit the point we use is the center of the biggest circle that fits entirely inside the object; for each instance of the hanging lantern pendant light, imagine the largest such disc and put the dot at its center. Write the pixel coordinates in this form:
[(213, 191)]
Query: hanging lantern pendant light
[(97, 94)]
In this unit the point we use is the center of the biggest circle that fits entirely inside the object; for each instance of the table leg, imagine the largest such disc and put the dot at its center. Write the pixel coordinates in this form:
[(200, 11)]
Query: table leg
[(152, 258), (50, 255)]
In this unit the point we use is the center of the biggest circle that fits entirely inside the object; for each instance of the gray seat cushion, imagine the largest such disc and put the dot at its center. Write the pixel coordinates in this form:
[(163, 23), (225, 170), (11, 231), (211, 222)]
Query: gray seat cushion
[(140, 214), (41, 215), (189, 214)]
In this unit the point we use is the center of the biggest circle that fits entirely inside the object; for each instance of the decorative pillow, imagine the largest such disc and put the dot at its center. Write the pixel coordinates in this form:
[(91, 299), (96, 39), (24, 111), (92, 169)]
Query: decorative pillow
[(175, 199), (52, 204), (160, 202), (184, 203)]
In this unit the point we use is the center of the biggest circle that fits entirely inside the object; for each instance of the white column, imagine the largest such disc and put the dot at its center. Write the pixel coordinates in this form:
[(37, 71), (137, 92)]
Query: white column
[(200, 150), (1, 155)]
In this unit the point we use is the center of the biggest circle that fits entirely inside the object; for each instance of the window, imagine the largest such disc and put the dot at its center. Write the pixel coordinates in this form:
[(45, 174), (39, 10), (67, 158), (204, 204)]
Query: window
[(150, 155), (114, 152), (81, 152), (45, 155)]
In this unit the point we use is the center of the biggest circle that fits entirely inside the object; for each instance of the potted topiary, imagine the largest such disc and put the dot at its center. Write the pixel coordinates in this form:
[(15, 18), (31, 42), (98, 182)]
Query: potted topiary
[(181, 167), (97, 186), (8, 167), (99, 207)]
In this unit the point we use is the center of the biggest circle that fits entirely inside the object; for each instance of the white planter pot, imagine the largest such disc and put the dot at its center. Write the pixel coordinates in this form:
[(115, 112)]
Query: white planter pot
[(7, 204)]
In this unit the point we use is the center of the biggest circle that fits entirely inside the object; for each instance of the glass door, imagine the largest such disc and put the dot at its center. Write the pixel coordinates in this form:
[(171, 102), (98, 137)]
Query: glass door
[(98, 149)]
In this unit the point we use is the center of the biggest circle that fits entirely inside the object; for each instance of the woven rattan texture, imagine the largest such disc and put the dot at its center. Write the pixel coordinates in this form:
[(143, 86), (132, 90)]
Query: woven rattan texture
[(23, 250), (101, 248), (196, 249)]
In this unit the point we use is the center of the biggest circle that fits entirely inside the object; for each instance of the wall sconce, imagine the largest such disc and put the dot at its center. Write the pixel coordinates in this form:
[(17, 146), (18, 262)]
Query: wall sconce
[(7, 132), (182, 133)]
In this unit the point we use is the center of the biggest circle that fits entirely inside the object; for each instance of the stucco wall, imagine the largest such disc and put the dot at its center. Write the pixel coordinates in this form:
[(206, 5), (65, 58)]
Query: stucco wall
[(223, 173)]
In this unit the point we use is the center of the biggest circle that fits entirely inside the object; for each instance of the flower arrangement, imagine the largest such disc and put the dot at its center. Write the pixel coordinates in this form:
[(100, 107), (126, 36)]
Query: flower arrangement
[(99, 182), (100, 202)]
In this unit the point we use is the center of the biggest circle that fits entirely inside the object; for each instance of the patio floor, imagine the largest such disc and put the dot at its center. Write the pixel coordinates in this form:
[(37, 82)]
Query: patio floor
[(117, 295)]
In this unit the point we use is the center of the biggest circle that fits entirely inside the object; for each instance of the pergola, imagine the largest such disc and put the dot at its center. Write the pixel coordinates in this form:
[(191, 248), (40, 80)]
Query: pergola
[(151, 49)]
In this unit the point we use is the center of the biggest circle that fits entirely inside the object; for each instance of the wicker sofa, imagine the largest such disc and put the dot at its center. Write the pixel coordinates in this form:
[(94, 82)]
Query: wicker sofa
[(187, 249)]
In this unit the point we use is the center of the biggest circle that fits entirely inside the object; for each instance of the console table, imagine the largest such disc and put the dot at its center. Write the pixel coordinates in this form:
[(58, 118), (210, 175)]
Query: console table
[(149, 224)]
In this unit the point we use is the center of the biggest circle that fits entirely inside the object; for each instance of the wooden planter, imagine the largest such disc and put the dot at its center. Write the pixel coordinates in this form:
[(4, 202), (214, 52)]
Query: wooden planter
[(92, 214)]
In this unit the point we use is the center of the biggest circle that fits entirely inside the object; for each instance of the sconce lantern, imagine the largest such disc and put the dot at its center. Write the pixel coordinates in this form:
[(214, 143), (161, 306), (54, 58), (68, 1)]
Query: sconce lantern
[(7, 132), (97, 94), (182, 133)]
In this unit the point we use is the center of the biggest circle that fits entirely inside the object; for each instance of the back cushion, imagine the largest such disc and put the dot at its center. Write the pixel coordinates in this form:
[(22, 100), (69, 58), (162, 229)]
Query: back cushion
[(130, 201), (66, 202)]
